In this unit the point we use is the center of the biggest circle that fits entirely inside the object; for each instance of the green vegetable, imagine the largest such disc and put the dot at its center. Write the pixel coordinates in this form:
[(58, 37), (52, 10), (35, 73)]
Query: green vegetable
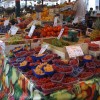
[(59, 43)]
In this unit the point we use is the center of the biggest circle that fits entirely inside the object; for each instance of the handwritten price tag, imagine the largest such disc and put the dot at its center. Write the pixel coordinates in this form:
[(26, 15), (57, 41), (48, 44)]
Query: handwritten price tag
[(31, 30), (43, 49), (74, 51), (61, 32), (55, 21), (6, 22), (13, 30)]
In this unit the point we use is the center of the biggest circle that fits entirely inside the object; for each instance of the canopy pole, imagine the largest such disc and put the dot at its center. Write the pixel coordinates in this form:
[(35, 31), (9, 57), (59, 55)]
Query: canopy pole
[(17, 8)]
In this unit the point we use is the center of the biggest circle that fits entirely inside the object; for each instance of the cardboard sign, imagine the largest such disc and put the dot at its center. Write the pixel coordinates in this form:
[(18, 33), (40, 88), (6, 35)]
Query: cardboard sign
[(61, 32), (6, 22), (74, 51), (55, 21), (13, 30), (43, 49), (31, 30)]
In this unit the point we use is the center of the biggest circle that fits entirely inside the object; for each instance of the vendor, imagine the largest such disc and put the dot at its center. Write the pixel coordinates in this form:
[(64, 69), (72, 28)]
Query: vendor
[(80, 9)]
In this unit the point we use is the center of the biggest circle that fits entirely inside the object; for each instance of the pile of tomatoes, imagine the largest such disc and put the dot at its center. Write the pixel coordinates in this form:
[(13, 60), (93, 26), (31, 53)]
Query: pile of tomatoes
[(48, 31)]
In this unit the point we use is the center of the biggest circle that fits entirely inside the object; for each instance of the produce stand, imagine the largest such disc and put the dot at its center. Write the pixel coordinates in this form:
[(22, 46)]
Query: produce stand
[(46, 62), (17, 84)]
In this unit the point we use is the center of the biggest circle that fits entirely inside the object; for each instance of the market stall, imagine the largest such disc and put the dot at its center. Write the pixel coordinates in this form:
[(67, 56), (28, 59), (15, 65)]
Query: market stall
[(28, 75), (46, 59)]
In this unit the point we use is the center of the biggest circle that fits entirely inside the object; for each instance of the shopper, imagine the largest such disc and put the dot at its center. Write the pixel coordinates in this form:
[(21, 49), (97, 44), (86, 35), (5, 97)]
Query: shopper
[(80, 9), (38, 9)]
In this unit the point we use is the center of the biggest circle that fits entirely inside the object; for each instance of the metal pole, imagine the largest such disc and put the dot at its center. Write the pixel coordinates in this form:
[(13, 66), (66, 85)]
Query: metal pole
[(17, 8), (42, 2), (25, 3)]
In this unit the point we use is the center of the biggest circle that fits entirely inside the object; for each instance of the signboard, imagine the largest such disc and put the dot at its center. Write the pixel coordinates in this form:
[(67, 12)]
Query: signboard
[(43, 49), (31, 30), (74, 51), (61, 32)]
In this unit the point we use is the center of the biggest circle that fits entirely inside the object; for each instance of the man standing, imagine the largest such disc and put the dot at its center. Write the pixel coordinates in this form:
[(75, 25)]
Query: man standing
[(80, 9)]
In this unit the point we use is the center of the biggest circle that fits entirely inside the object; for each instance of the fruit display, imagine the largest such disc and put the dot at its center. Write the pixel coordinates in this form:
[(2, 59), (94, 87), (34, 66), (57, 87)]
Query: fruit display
[(48, 58), (17, 49), (60, 62), (74, 62), (42, 81), (97, 62), (44, 16), (94, 47), (24, 23), (36, 34), (65, 69), (48, 31), (41, 66), (90, 65), (48, 68), (38, 71), (29, 59), (57, 77), (50, 86), (87, 58), (97, 71), (57, 74), (24, 63), (4, 29), (85, 75), (20, 54), (69, 80), (16, 39)]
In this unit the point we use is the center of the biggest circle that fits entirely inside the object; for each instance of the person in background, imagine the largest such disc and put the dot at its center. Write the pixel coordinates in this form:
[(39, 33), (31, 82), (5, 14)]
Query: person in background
[(80, 9), (91, 11), (38, 9), (97, 8)]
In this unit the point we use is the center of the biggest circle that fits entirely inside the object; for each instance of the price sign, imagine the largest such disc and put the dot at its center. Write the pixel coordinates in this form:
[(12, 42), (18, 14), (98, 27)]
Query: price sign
[(55, 21), (18, 19), (61, 32), (13, 30), (74, 51), (6, 22), (43, 49), (31, 30)]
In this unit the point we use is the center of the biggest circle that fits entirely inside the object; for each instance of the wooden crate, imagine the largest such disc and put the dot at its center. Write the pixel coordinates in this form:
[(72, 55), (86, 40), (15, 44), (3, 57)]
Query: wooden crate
[(61, 51), (94, 53)]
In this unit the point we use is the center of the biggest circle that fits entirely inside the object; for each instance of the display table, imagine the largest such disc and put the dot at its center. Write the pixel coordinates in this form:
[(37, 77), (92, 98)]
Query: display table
[(14, 83)]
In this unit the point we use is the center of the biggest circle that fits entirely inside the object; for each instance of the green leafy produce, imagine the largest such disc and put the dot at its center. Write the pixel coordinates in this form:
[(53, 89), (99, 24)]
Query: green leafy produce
[(59, 43), (14, 39)]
